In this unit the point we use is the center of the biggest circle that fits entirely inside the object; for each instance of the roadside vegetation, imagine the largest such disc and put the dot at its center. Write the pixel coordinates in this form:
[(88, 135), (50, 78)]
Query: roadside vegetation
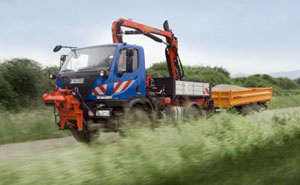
[(284, 102), (22, 83), (27, 125), (261, 148)]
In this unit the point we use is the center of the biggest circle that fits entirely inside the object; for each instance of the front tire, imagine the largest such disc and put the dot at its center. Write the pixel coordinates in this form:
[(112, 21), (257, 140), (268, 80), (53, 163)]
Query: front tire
[(90, 133)]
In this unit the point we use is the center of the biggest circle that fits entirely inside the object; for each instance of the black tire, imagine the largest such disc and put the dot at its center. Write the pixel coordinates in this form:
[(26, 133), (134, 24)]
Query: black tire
[(193, 112), (87, 135), (250, 108), (135, 117)]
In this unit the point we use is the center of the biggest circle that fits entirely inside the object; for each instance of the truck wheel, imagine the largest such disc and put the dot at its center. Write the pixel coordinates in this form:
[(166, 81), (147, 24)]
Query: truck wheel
[(247, 109), (137, 116), (193, 112), (88, 134), (250, 108)]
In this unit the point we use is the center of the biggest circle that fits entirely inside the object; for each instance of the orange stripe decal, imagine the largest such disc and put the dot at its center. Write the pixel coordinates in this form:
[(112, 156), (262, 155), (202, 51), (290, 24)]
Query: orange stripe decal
[(206, 90), (102, 89), (95, 92), (126, 85), (117, 86)]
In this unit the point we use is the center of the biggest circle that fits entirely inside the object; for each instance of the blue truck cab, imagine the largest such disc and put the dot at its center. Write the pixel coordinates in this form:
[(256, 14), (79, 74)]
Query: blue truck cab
[(111, 74)]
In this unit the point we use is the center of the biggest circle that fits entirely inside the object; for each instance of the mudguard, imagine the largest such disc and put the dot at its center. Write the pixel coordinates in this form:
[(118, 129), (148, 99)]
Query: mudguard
[(140, 100)]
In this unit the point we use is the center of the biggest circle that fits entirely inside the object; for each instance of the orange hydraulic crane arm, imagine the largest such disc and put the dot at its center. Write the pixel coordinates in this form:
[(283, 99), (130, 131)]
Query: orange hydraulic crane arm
[(173, 60)]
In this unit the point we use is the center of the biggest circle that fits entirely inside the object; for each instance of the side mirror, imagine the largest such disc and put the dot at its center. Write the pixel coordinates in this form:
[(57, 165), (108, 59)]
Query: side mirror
[(52, 76), (62, 59), (166, 25), (57, 48)]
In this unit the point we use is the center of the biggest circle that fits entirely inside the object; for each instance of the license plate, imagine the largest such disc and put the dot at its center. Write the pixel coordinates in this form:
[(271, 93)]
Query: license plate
[(77, 81), (103, 113)]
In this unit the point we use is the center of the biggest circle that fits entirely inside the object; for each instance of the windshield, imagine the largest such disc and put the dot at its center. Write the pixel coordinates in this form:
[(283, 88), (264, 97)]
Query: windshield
[(89, 59)]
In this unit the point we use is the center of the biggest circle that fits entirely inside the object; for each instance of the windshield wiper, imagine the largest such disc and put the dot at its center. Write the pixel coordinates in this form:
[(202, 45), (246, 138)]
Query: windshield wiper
[(67, 70)]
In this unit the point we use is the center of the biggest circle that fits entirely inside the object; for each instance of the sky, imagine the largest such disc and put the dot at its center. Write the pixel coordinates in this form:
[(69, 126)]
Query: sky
[(245, 36)]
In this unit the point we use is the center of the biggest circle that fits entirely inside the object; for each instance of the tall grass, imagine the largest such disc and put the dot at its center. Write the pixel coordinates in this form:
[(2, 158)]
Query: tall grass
[(261, 148), (34, 124), (286, 101), (28, 125)]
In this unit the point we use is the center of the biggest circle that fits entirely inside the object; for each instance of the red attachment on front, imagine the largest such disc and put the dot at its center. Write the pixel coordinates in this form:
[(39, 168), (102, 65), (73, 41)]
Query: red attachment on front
[(67, 105)]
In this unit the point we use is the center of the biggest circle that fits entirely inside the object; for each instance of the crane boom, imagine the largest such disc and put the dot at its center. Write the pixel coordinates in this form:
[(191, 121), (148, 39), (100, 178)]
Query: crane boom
[(171, 51)]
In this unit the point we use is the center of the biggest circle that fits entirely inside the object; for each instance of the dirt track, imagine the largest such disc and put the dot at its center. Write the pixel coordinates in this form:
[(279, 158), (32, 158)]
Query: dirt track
[(35, 146), (7, 150), (53, 144)]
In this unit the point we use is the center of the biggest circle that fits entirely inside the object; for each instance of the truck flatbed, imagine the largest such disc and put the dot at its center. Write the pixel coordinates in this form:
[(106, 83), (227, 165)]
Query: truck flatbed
[(233, 98)]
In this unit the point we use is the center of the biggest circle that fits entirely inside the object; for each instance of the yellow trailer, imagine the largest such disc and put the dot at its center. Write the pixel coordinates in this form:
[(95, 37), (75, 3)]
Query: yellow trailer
[(234, 98)]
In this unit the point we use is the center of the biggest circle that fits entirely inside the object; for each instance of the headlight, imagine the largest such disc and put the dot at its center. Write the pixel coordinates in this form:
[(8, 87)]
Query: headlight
[(52, 76), (102, 73)]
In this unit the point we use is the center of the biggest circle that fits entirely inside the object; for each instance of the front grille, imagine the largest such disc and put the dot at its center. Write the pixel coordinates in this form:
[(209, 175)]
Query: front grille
[(84, 89)]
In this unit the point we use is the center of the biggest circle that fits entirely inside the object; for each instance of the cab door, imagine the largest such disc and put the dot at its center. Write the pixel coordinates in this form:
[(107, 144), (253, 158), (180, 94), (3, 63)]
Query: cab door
[(127, 75)]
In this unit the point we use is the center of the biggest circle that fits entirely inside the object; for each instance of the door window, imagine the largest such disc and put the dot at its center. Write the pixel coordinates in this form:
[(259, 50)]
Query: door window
[(123, 58)]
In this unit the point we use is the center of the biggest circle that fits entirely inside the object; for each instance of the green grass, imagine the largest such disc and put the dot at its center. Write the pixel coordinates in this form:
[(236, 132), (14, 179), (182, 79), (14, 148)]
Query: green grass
[(278, 102), (28, 125), (262, 148)]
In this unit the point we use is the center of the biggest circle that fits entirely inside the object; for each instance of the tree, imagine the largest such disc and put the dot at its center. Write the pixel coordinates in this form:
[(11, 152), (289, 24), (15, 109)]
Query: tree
[(7, 95), (297, 81), (222, 70), (23, 78), (214, 76), (286, 83)]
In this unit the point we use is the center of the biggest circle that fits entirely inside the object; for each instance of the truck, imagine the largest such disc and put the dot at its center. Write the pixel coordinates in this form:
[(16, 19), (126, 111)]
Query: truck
[(100, 86)]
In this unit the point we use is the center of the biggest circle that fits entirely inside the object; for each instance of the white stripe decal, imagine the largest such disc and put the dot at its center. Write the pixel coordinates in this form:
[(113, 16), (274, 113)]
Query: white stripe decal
[(122, 86), (105, 86), (99, 90), (129, 85)]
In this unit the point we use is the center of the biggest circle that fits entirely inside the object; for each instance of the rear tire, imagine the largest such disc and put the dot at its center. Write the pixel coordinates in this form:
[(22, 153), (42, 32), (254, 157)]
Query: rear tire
[(135, 117), (193, 112)]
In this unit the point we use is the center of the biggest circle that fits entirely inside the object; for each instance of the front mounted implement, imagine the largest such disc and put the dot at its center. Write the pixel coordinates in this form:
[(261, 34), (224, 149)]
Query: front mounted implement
[(68, 107)]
